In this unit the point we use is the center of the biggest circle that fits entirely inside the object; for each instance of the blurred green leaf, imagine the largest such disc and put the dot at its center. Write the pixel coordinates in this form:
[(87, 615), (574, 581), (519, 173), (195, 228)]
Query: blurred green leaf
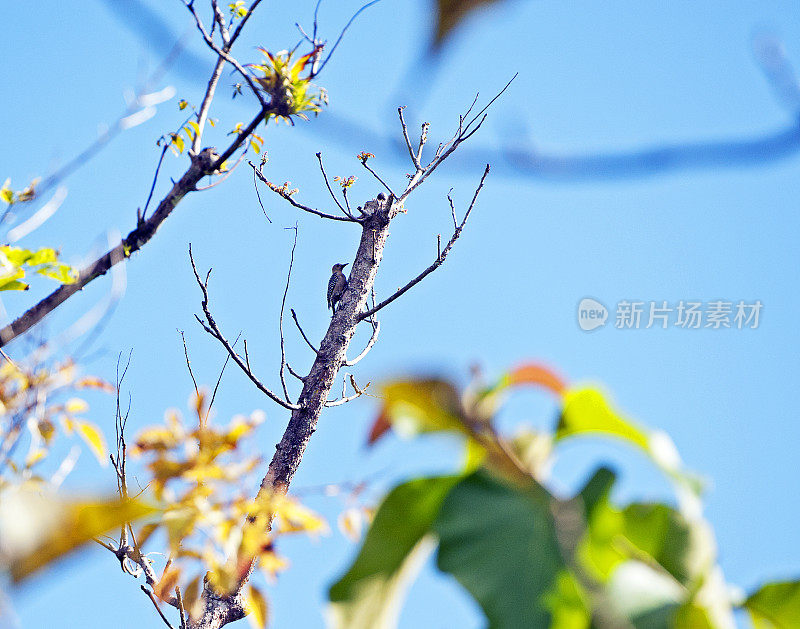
[(587, 411), (500, 543), (775, 605), (684, 549), (368, 595), (568, 604)]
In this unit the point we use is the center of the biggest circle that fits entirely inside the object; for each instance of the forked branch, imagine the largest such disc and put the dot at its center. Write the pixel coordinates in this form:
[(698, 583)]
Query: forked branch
[(211, 327), (440, 258)]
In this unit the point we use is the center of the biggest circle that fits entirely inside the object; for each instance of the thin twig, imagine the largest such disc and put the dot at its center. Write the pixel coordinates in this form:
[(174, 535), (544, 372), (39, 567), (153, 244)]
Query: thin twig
[(328, 185), (374, 174), (224, 55), (411, 153), (188, 362), (303, 334), (299, 206), (463, 133), (452, 209), (219, 379), (339, 39), (258, 194), (155, 604), (280, 319), (345, 399), (437, 263), (210, 326), (376, 329), (155, 179), (239, 28), (423, 138), (294, 373), (202, 114), (181, 608)]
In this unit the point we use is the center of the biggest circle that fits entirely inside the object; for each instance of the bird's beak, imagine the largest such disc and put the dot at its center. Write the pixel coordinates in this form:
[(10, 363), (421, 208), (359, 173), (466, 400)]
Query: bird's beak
[(345, 264)]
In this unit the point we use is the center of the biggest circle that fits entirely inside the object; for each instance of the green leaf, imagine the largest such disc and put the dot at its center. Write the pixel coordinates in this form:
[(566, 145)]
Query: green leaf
[(775, 605), (368, 595), (568, 604), (587, 411), (648, 598), (684, 549), (500, 543)]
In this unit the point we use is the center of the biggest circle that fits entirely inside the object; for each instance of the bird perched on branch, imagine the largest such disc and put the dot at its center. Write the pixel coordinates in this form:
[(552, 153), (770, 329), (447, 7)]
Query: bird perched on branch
[(336, 285)]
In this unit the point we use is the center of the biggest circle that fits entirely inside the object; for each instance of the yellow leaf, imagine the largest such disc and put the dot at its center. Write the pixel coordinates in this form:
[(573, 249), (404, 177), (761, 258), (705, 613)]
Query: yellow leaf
[(37, 529), (76, 405), (165, 587), (34, 457), (256, 608), (94, 439), (351, 523), (6, 193), (91, 382)]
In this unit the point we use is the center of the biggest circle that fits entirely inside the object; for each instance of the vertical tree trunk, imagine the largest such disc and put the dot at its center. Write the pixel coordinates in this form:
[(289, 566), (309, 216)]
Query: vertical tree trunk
[(219, 611)]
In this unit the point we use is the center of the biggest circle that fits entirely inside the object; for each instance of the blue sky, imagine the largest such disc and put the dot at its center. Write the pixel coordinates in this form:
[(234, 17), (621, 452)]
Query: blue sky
[(609, 79)]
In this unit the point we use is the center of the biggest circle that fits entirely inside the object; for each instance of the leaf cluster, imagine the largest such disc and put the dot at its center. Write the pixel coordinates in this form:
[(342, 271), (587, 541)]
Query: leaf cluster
[(529, 556)]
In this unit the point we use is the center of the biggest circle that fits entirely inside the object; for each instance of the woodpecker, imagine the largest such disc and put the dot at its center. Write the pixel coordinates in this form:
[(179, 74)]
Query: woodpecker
[(336, 285)]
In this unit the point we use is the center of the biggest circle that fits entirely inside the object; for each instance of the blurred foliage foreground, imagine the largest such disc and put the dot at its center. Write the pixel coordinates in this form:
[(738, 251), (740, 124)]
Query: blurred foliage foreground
[(532, 558), (527, 555)]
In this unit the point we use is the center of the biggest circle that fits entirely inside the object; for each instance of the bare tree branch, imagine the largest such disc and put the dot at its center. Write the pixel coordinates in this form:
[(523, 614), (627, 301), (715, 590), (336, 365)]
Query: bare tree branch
[(436, 264), (255, 187), (294, 373), (155, 604), (206, 162), (341, 35), (188, 362), (376, 329), (328, 186), (243, 21), (463, 133), (374, 174), (345, 399), (210, 326), (411, 153), (223, 54), (303, 334), (219, 379), (202, 114), (299, 206), (280, 319)]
